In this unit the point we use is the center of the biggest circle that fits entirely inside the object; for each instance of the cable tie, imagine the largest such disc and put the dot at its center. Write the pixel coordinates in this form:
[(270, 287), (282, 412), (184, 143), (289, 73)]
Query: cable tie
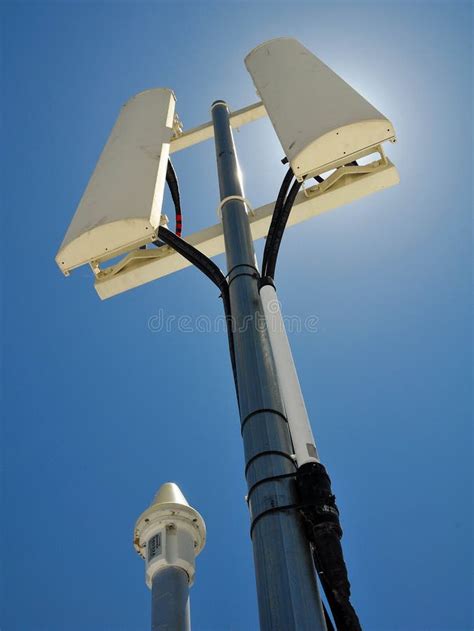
[(268, 511), (241, 265), (261, 411), (276, 509), (249, 210), (281, 476), (254, 275), (268, 452)]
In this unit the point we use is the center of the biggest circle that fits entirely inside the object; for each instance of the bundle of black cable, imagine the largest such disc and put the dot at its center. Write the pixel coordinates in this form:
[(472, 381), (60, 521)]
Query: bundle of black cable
[(321, 516)]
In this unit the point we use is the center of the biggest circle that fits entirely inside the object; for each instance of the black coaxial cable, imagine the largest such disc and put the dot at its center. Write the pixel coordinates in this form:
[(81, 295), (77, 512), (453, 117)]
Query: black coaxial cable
[(274, 240), (173, 186)]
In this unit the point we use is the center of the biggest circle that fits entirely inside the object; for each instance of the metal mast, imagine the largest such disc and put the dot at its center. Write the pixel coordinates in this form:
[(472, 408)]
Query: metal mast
[(288, 595)]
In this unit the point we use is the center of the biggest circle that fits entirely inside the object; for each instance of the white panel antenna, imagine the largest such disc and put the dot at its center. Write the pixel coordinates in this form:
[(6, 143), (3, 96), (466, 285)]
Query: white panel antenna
[(144, 266), (321, 122), (323, 125), (121, 207)]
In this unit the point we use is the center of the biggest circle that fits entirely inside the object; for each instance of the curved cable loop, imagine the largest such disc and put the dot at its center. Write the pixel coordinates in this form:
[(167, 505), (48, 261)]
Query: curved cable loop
[(278, 229), (213, 272), (282, 193)]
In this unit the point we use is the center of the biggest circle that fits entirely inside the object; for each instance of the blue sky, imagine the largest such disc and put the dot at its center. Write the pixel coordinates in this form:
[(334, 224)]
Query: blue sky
[(98, 410)]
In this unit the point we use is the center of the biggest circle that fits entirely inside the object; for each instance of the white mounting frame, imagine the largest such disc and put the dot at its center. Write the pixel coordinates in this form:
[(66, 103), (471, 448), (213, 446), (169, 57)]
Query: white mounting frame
[(143, 266), (206, 131)]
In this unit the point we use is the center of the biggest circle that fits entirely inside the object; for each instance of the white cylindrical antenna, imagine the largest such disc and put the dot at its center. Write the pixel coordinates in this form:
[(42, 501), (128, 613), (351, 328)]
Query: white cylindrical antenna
[(168, 536), (298, 421)]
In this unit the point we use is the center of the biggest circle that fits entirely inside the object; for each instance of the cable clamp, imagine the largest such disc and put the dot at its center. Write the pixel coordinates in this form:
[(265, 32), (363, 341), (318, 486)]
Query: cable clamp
[(250, 210), (263, 281), (285, 507)]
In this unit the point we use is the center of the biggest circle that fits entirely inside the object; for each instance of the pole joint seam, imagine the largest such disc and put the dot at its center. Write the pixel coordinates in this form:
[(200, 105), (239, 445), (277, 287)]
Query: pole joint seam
[(261, 411)]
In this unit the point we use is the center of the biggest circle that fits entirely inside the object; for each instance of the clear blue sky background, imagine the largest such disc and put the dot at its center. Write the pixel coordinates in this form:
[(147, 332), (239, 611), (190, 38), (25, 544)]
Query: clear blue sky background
[(98, 410)]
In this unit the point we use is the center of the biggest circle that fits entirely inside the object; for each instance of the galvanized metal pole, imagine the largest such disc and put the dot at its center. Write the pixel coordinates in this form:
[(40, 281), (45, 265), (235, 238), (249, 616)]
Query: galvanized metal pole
[(170, 600), (288, 596)]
